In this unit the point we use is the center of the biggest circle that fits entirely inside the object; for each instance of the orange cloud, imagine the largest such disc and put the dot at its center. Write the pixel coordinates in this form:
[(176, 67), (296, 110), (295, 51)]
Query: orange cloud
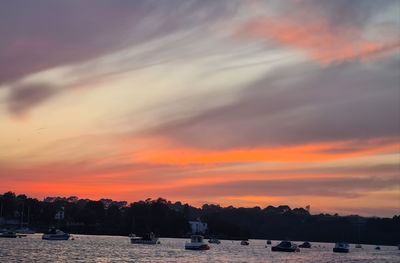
[(318, 39), (303, 153)]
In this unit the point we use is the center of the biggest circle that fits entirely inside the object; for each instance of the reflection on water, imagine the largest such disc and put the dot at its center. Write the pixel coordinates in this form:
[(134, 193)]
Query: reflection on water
[(118, 249)]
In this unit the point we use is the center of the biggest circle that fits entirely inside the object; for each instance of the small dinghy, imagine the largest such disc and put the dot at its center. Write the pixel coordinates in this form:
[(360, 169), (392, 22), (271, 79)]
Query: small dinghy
[(285, 246), (214, 241), (305, 245), (341, 247), (196, 243), (244, 243), (147, 239)]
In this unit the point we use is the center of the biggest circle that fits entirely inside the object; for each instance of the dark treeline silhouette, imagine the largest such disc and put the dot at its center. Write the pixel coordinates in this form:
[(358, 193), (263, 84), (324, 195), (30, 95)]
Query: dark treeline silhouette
[(169, 219)]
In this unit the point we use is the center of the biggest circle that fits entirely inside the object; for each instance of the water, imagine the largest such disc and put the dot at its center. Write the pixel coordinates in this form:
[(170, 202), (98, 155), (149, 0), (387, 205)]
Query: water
[(118, 249)]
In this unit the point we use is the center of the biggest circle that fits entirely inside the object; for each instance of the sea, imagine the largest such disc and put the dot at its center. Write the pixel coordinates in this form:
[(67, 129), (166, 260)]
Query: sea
[(89, 248)]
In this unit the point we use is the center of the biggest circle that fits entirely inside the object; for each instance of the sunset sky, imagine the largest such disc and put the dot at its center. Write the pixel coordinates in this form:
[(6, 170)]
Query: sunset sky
[(229, 102)]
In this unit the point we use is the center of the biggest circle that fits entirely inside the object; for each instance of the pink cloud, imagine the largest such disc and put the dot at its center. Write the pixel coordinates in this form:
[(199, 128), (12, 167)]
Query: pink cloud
[(318, 39)]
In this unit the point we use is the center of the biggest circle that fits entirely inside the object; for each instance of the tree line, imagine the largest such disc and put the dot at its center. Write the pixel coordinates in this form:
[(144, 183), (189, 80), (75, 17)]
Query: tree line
[(170, 219)]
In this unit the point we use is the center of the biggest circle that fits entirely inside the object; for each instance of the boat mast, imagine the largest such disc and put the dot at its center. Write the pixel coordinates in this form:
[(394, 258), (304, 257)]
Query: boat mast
[(22, 214)]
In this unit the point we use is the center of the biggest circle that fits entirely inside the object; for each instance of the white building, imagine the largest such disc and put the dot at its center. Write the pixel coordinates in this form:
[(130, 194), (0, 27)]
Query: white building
[(198, 227), (60, 214)]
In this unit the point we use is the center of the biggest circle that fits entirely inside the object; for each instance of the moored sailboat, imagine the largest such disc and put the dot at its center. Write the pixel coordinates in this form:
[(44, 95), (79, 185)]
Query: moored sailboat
[(196, 243), (55, 234)]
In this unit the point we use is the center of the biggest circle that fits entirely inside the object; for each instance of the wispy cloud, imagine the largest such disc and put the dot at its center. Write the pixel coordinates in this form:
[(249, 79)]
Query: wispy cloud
[(299, 105)]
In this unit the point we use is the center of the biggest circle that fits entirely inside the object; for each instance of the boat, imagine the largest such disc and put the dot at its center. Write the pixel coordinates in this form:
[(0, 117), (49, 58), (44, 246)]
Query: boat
[(305, 245), (196, 243), (147, 239), (214, 241), (269, 242), (377, 248), (8, 234), (244, 243), (341, 247), (25, 230), (358, 246), (285, 246), (55, 234)]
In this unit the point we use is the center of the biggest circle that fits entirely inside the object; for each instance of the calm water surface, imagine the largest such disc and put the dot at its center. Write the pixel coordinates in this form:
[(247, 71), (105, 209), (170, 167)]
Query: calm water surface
[(118, 249)]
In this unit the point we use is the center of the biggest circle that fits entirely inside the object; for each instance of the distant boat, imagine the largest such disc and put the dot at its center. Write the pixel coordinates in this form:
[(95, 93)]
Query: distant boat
[(55, 234), (358, 246), (25, 230), (147, 239), (285, 246), (8, 234), (377, 248), (196, 243), (305, 245), (269, 242), (341, 247), (214, 241), (244, 243)]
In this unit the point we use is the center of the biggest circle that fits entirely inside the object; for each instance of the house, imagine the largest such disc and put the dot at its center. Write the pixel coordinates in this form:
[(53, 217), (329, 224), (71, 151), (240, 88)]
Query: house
[(60, 214)]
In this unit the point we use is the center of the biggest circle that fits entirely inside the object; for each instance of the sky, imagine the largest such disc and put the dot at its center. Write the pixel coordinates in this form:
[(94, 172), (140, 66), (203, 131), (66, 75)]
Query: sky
[(245, 103)]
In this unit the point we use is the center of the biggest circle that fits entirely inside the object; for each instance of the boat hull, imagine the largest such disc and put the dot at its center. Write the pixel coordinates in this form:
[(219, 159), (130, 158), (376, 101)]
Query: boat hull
[(197, 247), (340, 250), (52, 237), (145, 242), (8, 236), (304, 246)]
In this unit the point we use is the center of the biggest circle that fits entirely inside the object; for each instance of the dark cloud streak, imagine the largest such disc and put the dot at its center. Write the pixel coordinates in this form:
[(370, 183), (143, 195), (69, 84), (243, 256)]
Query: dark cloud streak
[(335, 187), (24, 97)]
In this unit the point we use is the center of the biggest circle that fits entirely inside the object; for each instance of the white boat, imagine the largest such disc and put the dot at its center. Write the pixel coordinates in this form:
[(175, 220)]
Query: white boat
[(341, 247), (196, 243), (55, 234), (148, 239)]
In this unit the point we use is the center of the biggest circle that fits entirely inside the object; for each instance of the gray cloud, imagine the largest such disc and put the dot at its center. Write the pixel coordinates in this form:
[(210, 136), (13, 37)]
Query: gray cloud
[(24, 97), (337, 13), (380, 170), (300, 105), (337, 187)]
